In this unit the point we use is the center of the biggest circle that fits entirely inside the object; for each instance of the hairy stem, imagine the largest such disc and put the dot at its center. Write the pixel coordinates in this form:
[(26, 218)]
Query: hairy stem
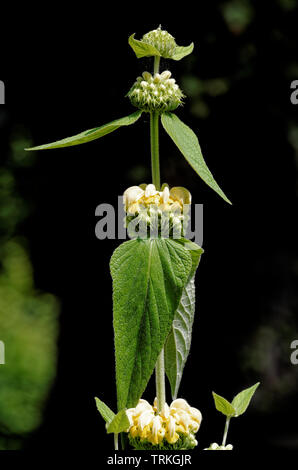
[(154, 140), (156, 64), (116, 441), (224, 439), (160, 382)]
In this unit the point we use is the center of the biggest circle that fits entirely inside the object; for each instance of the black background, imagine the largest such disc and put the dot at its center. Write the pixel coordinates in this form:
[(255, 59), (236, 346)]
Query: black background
[(69, 74)]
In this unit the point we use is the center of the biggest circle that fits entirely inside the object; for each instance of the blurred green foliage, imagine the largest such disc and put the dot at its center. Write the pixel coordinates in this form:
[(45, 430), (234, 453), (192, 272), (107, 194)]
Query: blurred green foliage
[(28, 318)]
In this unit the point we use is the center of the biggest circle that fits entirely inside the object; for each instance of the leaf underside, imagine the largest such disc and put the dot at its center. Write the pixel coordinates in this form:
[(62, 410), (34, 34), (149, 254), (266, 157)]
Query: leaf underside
[(91, 134), (189, 146), (148, 279), (178, 343)]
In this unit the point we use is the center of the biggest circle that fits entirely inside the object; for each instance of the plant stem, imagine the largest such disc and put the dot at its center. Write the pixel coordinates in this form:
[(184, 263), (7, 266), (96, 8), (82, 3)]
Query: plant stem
[(156, 64), (154, 141), (226, 431), (160, 382), (154, 138), (116, 441)]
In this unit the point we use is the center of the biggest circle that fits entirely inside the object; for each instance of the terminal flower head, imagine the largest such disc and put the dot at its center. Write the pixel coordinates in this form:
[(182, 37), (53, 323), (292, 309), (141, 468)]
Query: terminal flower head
[(163, 41), (175, 426)]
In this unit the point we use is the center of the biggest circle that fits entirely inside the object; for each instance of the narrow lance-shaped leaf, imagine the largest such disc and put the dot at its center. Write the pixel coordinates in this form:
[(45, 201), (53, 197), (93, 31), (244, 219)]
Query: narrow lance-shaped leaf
[(91, 134), (178, 343), (106, 413), (188, 144), (142, 49), (120, 423), (223, 405), (148, 278), (242, 400)]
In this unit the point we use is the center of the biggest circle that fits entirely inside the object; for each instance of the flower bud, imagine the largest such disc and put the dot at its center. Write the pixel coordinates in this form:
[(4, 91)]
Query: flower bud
[(163, 41), (155, 93)]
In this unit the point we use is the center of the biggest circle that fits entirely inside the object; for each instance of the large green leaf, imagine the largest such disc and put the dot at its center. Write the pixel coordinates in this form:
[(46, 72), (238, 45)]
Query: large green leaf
[(179, 340), (142, 49), (91, 134), (188, 144), (242, 400), (223, 405), (148, 279), (181, 51)]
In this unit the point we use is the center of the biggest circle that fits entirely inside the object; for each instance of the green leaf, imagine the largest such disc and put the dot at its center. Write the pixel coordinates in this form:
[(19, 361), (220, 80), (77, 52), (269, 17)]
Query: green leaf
[(188, 144), (91, 134), (148, 279), (222, 405), (242, 400), (120, 423), (195, 252), (181, 51), (179, 340), (142, 49), (104, 410)]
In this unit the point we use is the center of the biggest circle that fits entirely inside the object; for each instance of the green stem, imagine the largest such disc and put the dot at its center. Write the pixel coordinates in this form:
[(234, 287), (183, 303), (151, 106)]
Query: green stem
[(156, 64), (160, 382), (154, 138), (116, 441), (226, 431)]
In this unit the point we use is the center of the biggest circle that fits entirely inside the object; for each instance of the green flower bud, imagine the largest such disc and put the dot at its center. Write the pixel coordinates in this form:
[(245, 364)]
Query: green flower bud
[(155, 93), (163, 41)]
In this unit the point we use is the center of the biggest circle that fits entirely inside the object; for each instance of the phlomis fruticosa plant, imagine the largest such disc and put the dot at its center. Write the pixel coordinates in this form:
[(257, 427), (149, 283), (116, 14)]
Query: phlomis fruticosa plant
[(154, 272)]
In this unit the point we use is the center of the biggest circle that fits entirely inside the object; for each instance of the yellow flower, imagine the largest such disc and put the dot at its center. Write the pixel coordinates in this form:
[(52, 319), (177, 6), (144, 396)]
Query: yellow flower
[(140, 197), (176, 419)]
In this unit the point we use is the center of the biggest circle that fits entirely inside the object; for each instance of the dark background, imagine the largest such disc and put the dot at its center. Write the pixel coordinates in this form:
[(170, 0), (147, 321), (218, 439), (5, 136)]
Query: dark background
[(69, 75)]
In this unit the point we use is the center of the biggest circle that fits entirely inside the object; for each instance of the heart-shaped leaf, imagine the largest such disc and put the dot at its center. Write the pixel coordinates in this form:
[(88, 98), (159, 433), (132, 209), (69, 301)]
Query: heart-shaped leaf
[(148, 279)]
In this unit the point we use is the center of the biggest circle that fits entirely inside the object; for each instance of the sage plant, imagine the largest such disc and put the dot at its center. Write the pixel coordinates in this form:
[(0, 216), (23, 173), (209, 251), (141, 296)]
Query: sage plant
[(154, 272)]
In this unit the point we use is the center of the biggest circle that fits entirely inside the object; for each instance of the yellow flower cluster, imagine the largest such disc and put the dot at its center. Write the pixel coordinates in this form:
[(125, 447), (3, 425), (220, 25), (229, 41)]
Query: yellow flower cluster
[(141, 197), (178, 418)]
